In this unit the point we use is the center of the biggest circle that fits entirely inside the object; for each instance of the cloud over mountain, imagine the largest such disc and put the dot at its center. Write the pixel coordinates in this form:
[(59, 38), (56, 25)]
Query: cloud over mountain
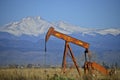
[(35, 26)]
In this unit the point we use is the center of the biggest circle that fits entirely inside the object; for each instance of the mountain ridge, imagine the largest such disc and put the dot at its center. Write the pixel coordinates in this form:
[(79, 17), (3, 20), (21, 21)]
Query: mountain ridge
[(36, 26), (24, 42)]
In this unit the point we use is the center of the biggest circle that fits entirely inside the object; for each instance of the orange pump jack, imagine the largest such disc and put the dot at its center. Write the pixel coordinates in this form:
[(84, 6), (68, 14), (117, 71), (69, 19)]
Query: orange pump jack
[(68, 51)]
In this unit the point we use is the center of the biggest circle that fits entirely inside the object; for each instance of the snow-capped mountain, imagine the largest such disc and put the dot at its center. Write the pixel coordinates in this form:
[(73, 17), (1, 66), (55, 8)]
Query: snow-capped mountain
[(109, 31), (23, 41), (36, 26), (28, 26)]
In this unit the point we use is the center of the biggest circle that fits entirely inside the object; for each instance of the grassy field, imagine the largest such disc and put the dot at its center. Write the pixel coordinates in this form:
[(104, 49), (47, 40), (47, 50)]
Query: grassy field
[(50, 74)]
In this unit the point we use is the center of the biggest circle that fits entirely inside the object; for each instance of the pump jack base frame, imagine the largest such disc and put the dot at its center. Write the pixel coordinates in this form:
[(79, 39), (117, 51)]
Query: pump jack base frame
[(68, 51)]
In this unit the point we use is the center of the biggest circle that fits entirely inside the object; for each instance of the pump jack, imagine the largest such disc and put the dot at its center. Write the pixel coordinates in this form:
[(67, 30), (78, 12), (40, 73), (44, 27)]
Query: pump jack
[(68, 39)]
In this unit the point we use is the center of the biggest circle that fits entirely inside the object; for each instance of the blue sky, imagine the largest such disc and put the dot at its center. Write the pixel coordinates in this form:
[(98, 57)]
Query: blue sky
[(84, 13)]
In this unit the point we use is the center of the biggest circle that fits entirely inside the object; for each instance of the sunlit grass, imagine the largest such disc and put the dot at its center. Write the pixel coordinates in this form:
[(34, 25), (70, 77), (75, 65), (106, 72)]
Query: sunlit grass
[(29, 74), (21, 74), (50, 74)]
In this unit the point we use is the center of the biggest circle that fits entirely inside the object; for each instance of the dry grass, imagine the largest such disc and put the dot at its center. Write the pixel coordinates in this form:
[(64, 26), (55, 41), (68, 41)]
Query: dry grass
[(21, 74), (47, 74), (29, 74)]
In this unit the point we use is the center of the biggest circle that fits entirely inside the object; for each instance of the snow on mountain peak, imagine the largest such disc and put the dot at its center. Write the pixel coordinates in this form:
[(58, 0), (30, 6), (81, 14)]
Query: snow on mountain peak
[(35, 26), (28, 26), (109, 31)]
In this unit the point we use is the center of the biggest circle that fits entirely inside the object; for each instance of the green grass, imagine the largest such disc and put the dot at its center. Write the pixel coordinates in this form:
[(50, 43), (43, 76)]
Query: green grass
[(50, 74)]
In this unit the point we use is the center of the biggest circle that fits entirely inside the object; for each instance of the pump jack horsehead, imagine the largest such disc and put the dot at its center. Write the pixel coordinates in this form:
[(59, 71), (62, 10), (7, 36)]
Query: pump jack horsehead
[(68, 51)]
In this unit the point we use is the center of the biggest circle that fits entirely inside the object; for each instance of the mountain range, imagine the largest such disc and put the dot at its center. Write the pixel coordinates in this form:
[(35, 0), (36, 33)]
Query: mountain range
[(22, 42)]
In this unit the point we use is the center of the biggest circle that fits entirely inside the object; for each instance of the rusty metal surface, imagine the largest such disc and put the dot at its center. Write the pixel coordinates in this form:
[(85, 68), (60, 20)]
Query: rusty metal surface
[(74, 60), (66, 51), (67, 48), (64, 57), (49, 33), (68, 39), (65, 37), (95, 66)]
